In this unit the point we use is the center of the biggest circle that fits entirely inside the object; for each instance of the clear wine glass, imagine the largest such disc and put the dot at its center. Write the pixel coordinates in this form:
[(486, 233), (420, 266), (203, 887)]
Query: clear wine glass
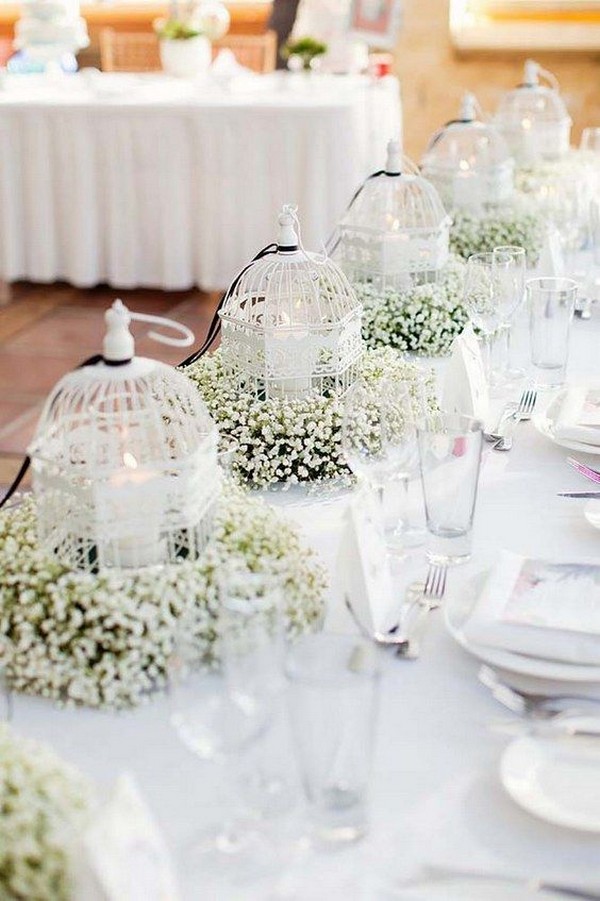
[(511, 262), (491, 299), (379, 435), (222, 724)]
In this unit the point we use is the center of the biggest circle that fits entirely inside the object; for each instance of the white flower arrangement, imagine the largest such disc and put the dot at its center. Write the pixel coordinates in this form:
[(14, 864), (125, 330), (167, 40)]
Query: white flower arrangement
[(518, 224), (282, 440), (44, 802), (547, 175), (105, 640), (423, 320)]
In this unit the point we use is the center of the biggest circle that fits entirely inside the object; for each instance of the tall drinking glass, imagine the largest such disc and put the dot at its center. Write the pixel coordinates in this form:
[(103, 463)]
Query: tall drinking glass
[(551, 306), (333, 699), (450, 456)]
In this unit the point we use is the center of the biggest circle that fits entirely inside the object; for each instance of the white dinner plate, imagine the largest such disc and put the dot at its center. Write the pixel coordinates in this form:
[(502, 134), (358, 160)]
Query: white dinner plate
[(545, 422), (456, 611), (557, 779), (459, 888)]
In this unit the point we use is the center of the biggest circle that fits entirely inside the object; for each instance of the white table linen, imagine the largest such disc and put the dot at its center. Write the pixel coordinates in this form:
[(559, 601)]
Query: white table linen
[(436, 790), (147, 181)]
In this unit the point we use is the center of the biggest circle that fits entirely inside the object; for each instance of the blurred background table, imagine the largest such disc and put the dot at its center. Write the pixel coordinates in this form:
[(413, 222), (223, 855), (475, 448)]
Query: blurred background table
[(147, 181)]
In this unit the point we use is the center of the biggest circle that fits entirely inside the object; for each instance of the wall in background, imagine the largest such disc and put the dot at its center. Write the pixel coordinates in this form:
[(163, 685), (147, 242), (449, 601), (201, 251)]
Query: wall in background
[(433, 77)]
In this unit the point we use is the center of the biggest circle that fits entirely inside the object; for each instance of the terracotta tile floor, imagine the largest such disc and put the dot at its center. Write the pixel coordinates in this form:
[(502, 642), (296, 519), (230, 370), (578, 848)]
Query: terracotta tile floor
[(47, 329)]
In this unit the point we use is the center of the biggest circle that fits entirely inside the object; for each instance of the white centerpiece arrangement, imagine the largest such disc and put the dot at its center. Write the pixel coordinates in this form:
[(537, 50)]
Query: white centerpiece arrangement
[(125, 532), (291, 347), (470, 163), (393, 245), (186, 35), (47, 30)]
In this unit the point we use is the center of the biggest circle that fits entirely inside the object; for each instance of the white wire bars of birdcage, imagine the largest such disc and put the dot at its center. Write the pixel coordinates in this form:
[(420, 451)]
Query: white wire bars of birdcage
[(395, 233), (291, 323), (124, 461), (533, 118), (469, 162)]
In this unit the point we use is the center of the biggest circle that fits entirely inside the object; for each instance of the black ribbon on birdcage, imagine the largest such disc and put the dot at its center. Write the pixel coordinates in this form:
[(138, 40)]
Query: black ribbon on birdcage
[(334, 240), (215, 325), (91, 361)]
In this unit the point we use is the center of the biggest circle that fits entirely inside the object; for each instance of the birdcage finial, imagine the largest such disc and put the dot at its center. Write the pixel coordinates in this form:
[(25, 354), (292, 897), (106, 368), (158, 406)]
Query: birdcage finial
[(118, 345), (468, 107), (393, 164), (287, 240)]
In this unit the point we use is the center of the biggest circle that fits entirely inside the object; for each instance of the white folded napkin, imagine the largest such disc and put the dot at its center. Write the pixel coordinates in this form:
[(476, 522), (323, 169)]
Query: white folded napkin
[(543, 609), (122, 854), (579, 416)]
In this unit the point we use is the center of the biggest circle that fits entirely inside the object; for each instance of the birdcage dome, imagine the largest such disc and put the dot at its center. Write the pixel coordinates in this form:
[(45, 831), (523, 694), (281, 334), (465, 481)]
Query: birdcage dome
[(395, 232), (291, 322), (533, 117), (469, 162), (124, 462)]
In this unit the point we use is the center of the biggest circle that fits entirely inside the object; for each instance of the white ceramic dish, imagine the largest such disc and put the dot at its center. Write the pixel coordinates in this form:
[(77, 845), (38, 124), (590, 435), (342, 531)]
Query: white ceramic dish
[(456, 611), (545, 422), (555, 778)]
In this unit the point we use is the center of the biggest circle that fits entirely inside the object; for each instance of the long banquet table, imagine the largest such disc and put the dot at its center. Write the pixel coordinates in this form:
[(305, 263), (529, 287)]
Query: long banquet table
[(150, 181), (436, 790)]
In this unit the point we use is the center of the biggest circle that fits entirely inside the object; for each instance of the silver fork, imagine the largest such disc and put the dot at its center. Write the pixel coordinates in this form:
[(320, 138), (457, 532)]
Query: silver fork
[(431, 598), (524, 410), (385, 640), (525, 703)]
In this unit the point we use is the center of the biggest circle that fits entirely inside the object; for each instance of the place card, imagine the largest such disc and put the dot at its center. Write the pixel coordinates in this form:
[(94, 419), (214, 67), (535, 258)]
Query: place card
[(465, 389), (124, 855), (363, 566)]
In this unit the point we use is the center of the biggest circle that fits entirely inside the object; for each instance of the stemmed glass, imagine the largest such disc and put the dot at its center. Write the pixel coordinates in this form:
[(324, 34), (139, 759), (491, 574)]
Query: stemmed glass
[(493, 291), (222, 717), (378, 435), (512, 271)]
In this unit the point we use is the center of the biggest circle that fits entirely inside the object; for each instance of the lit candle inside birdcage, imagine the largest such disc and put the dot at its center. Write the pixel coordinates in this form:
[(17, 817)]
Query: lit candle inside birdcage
[(395, 232), (533, 117), (469, 162), (291, 322), (124, 461)]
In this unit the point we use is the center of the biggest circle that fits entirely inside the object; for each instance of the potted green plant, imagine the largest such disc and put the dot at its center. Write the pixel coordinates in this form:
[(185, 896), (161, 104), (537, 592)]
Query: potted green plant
[(185, 51), (302, 53)]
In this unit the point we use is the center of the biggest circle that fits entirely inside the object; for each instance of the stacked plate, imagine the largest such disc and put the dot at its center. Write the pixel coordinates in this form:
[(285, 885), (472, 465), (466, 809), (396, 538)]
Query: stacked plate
[(538, 625)]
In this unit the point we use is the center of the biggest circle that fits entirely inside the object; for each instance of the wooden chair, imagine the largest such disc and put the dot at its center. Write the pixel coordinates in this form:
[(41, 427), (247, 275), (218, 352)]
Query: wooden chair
[(128, 51), (132, 51), (254, 51)]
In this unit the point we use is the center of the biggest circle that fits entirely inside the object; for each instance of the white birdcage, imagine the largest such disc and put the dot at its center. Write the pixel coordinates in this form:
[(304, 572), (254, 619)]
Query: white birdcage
[(395, 233), (533, 118), (124, 460), (291, 322), (469, 162)]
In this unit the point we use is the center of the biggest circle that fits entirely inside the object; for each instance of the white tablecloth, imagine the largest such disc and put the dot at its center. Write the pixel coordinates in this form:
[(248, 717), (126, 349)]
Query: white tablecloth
[(147, 181), (437, 795)]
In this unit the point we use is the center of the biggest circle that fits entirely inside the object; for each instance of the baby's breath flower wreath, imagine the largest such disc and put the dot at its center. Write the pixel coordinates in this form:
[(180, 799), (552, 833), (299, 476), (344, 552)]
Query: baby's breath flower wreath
[(104, 640), (283, 440), (519, 224), (423, 320), (43, 803)]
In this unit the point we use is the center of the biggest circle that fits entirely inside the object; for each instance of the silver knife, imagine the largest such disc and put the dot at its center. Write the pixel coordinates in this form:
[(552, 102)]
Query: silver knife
[(536, 885), (578, 494)]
